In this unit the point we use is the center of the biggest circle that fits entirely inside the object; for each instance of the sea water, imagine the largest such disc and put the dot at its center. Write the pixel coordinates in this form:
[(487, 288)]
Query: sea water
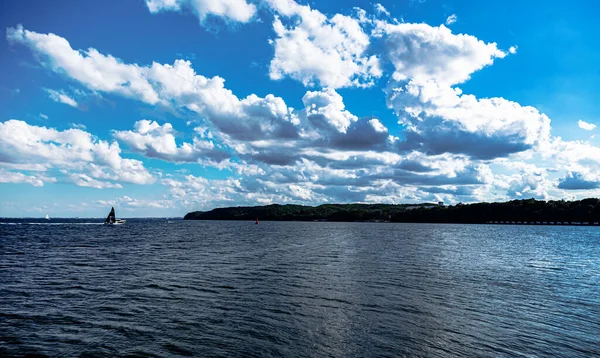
[(298, 289)]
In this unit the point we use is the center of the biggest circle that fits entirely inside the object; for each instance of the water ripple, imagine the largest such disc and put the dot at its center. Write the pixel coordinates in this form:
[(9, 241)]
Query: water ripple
[(152, 288)]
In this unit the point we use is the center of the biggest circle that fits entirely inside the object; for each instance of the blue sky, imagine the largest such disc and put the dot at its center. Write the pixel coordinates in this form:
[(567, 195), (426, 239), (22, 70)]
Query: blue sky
[(159, 107)]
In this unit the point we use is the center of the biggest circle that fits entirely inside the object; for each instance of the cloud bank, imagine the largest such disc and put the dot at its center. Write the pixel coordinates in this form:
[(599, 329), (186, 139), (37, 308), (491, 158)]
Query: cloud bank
[(444, 145)]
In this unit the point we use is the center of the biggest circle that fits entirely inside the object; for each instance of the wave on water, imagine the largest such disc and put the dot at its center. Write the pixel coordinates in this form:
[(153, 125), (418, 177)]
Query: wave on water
[(213, 288)]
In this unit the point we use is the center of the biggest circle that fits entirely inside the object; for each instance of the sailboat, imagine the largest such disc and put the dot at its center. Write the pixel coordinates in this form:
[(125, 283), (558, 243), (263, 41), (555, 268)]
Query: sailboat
[(112, 220), (47, 217)]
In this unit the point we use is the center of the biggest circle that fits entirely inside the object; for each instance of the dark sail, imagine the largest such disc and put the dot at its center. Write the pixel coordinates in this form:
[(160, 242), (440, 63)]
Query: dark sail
[(111, 216)]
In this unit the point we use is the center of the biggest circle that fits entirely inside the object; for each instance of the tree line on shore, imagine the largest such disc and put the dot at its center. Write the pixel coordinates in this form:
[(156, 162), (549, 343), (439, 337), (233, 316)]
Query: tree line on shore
[(528, 210)]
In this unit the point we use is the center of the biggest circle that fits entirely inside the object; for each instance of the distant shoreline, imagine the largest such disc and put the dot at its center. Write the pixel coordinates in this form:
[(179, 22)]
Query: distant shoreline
[(584, 212)]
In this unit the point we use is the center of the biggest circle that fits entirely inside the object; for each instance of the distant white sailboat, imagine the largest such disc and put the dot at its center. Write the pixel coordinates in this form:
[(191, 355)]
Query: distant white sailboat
[(47, 217), (112, 220)]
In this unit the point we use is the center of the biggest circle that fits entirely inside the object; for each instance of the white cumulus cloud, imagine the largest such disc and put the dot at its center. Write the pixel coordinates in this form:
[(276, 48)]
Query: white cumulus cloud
[(81, 179), (325, 109), (579, 181), (317, 50), (380, 9), (98, 72), (585, 125), (18, 177), (451, 19), (441, 119), (156, 141), (234, 10), (129, 203), (73, 150), (448, 146), (422, 53), (61, 97)]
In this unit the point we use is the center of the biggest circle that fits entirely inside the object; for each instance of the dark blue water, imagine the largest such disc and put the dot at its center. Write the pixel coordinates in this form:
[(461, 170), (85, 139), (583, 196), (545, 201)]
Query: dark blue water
[(181, 288)]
